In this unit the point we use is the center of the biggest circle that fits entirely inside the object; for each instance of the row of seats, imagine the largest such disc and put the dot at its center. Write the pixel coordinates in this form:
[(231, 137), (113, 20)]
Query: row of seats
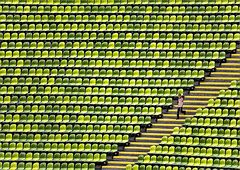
[(120, 36), (207, 132), (83, 119), (103, 73), (64, 138), (204, 141), (90, 90), (229, 93), (98, 2), (170, 83), (48, 147), (171, 159), (189, 150), (190, 161), (37, 165), (119, 17), (106, 63), (213, 122), (224, 103), (59, 156), (194, 18), (119, 45), (55, 92), (218, 112), (63, 128), (126, 27), (119, 9), (235, 84), (77, 109), (92, 100), (107, 54)]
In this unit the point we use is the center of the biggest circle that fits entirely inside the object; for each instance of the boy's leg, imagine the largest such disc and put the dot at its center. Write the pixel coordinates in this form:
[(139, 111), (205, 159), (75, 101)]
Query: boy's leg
[(178, 113), (182, 111)]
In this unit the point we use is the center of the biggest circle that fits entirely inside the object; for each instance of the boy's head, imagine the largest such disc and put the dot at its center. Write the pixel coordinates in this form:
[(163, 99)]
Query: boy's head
[(180, 96)]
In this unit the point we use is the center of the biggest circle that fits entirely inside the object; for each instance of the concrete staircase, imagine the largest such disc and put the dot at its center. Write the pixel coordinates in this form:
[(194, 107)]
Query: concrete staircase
[(197, 98)]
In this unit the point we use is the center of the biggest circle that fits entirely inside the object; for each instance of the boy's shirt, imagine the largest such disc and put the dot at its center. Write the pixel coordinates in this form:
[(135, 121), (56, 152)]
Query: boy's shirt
[(180, 102)]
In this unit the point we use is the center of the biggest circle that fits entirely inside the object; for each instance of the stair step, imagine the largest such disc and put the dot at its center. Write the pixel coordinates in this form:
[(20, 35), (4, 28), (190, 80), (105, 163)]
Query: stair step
[(195, 101), (221, 78), (143, 143), (159, 130), (154, 134), (227, 69), (234, 59), (200, 97), (166, 124), (182, 115), (129, 153), (226, 73), (215, 83), (210, 87), (138, 147), (113, 167), (235, 55), (175, 111), (127, 157), (191, 106), (148, 139), (169, 120), (120, 162), (230, 64), (135, 148), (186, 115), (205, 92)]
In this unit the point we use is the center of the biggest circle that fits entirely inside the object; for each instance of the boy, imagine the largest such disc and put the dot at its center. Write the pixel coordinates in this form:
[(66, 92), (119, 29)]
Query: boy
[(180, 105)]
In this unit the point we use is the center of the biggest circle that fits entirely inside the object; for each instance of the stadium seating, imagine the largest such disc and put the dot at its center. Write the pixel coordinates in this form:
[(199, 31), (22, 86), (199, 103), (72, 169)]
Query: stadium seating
[(80, 78), (208, 140)]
